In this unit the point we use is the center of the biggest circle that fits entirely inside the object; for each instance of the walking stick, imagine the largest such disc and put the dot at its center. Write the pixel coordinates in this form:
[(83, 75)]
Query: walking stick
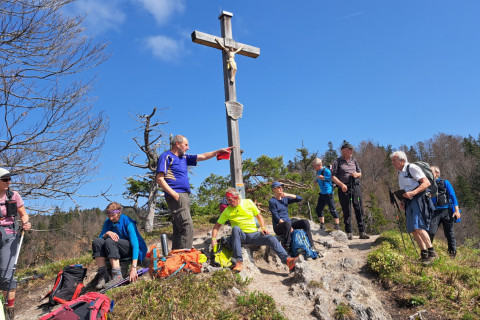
[(393, 201), (15, 263)]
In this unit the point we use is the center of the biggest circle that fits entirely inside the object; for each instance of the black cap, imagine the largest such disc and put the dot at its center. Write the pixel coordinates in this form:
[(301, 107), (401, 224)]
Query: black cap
[(346, 145)]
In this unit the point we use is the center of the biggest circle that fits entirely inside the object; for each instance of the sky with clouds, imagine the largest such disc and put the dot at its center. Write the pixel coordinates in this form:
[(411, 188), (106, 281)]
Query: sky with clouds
[(393, 72)]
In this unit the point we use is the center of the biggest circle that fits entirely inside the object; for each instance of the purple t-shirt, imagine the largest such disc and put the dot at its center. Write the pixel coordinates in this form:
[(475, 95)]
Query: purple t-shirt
[(176, 170), (4, 221)]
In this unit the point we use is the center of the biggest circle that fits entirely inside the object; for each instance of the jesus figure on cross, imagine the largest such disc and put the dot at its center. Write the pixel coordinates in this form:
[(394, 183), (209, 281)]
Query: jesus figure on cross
[(231, 64)]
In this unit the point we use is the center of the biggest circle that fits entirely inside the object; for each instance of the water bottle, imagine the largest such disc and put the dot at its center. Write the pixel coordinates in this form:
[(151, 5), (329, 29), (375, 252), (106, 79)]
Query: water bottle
[(164, 240)]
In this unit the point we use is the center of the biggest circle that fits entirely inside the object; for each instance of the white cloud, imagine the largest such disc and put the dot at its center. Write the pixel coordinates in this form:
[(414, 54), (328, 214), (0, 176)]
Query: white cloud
[(164, 47), (163, 9), (101, 15)]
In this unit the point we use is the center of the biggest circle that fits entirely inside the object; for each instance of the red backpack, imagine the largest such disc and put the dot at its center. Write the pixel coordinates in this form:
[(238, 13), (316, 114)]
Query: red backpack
[(91, 306), (68, 285)]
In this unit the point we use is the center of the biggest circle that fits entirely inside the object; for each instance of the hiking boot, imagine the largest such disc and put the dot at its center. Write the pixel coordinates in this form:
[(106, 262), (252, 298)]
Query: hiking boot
[(10, 313), (322, 226), (432, 254), (101, 278), (349, 236), (291, 263), (363, 235), (425, 258), (101, 283), (238, 267), (337, 227), (113, 281)]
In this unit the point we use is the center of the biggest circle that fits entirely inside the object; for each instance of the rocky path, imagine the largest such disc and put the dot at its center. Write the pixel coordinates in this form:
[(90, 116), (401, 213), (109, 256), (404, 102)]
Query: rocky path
[(317, 287)]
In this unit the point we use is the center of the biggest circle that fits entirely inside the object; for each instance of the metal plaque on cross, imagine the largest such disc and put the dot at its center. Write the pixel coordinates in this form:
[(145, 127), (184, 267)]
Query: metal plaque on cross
[(234, 109)]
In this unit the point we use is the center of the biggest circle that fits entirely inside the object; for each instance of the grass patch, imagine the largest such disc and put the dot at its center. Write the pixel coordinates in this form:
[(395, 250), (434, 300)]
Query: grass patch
[(200, 296), (449, 286), (51, 269), (344, 312), (257, 306)]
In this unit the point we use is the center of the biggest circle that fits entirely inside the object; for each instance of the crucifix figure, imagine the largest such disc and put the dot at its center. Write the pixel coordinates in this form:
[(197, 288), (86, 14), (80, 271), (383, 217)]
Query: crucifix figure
[(231, 64), (234, 109)]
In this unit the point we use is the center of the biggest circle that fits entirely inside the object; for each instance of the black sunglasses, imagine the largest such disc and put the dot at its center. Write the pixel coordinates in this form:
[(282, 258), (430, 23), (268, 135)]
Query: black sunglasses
[(6, 179)]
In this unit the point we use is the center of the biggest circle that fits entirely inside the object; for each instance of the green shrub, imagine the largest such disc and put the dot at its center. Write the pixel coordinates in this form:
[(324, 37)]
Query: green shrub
[(385, 261)]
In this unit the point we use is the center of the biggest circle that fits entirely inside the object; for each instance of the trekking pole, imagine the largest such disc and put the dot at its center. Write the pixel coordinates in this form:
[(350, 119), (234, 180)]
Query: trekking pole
[(15, 263), (394, 202), (309, 211)]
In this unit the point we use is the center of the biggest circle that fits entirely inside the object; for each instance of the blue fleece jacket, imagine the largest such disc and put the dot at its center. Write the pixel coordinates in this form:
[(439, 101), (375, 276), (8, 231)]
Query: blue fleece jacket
[(126, 228), (279, 208)]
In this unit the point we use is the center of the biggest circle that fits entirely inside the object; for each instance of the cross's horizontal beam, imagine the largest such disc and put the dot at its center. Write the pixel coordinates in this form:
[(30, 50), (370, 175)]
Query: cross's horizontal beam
[(209, 40)]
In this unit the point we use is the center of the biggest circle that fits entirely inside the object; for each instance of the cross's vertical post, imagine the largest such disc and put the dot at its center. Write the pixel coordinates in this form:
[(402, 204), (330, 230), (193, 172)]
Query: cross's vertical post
[(232, 124), (234, 109)]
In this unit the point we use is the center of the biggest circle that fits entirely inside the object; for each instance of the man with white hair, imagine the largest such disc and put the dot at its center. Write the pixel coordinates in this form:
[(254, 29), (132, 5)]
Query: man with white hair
[(241, 213), (325, 197), (172, 177), (417, 204)]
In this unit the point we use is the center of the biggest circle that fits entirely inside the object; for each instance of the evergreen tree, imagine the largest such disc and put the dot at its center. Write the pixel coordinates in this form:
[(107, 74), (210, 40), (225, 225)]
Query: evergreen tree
[(330, 155)]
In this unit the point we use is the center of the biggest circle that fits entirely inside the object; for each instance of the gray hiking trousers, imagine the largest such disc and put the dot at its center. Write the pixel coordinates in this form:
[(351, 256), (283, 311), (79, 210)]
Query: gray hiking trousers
[(182, 221), (8, 247)]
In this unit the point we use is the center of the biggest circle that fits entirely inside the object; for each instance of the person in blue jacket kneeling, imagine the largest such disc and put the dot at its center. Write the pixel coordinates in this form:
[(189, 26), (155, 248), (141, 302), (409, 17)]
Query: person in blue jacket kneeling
[(119, 239)]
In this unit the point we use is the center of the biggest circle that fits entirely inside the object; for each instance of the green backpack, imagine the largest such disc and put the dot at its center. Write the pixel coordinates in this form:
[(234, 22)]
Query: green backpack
[(222, 254), (425, 167)]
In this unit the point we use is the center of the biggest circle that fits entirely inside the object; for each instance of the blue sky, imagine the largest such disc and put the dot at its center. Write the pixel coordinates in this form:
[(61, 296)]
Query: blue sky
[(394, 72)]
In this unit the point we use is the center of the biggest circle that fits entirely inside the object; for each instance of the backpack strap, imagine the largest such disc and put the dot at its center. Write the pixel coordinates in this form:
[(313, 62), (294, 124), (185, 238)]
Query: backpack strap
[(95, 306), (55, 287), (9, 194), (155, 259), (408, 171), (176, 271)]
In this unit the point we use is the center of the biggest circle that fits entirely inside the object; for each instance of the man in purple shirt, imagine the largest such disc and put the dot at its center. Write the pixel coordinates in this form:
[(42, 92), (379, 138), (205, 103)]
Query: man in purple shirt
[(172, 177)]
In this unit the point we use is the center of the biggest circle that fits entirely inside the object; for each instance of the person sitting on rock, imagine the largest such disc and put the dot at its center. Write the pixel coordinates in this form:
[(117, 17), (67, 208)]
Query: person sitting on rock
[(119, 239), (241, 213), (282, 225)]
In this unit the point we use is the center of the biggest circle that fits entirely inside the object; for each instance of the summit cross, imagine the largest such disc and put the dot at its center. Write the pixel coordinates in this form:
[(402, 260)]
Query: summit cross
[(234, 109)]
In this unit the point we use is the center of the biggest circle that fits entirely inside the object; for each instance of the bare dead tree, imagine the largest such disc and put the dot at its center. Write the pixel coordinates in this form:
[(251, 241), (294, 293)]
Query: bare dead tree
[(48, 132), (148, 144)]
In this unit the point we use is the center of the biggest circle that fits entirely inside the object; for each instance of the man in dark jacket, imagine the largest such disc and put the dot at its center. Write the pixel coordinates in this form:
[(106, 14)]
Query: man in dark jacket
[(346, 174)]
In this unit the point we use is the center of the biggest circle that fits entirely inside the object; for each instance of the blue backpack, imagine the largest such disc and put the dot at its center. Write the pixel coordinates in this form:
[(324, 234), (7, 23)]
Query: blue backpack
[(300, 245)]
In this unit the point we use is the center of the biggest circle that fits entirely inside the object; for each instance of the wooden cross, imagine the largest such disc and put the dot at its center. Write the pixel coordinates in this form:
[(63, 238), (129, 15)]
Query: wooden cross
[(234, 109)]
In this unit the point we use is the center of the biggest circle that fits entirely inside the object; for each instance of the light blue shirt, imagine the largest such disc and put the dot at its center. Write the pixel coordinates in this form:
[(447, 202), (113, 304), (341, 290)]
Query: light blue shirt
[(325, 185)]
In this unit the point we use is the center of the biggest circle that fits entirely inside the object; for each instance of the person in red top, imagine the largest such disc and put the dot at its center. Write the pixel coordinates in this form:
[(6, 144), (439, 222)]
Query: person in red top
[(11, 204)]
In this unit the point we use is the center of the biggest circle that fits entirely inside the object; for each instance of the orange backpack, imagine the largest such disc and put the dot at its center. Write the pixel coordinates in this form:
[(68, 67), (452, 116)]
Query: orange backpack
[(181, 260)]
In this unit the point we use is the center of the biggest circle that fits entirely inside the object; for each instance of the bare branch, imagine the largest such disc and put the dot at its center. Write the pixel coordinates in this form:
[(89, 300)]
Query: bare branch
[(48, 132)]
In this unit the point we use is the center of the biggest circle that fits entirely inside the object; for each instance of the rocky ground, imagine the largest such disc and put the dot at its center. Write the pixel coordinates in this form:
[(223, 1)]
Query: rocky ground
[(312, 291)]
